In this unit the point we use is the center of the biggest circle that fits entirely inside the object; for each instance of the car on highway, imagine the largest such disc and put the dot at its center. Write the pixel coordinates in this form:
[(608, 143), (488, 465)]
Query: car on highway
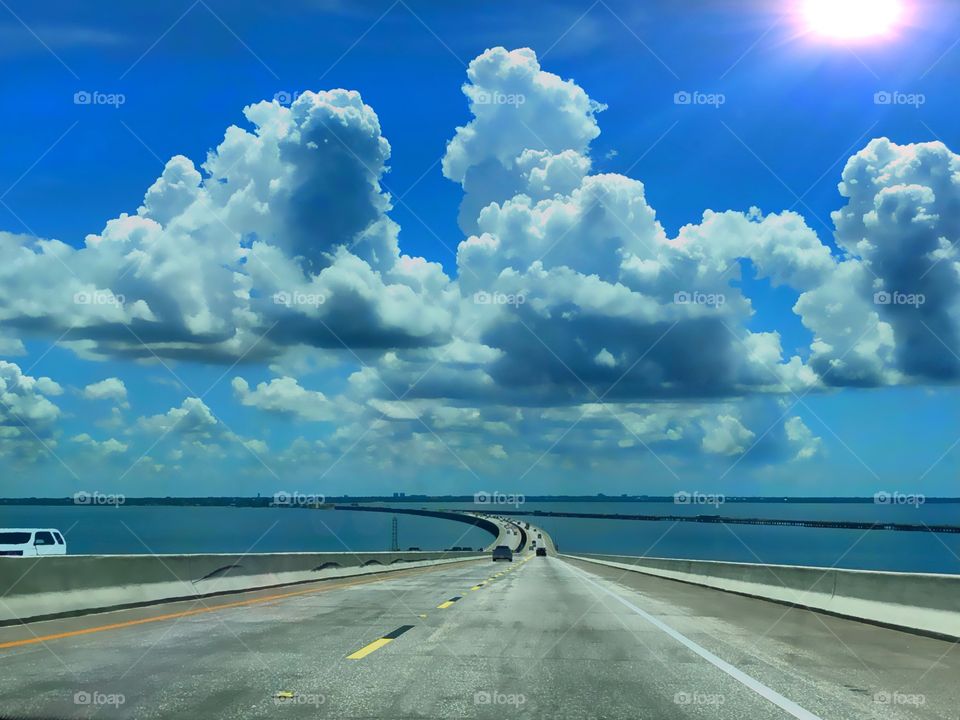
[(502, 552), (31, 542), (541, 552)]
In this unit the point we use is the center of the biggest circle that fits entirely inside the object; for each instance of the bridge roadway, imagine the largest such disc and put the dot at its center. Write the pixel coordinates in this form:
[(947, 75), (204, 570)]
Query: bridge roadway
[(541, 637)]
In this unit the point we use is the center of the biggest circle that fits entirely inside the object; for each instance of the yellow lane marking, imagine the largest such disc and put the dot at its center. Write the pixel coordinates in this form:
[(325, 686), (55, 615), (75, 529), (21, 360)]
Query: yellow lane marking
[(379, 643), (212, 608), (444, 605), (477, 587), (364, 651)]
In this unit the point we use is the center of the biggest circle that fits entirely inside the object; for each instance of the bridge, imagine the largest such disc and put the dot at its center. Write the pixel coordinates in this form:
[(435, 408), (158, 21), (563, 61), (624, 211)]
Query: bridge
[(453, 635)]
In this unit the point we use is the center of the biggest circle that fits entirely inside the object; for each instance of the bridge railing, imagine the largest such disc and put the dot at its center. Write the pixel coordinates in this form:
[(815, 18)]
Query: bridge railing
[(925, 603), (59, 586)]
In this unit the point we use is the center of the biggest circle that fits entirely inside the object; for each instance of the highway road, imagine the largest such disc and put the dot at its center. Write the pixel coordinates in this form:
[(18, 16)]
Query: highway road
[(536, 638)]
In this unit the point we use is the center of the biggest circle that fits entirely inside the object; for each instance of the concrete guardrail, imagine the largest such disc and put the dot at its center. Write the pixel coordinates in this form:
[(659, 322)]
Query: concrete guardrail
[(924, 603), (59, 586)]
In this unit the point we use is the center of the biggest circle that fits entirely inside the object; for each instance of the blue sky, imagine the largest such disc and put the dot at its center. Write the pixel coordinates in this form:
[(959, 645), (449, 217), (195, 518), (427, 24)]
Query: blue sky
[(597, 379)]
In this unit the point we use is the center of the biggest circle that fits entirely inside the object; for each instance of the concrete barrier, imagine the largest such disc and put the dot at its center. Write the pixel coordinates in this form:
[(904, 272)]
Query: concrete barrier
[(58, 586), (925, 603), (494, 527)]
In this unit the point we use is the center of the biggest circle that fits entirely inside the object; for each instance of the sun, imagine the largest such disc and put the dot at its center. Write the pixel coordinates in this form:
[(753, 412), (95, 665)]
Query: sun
[(852, 19)]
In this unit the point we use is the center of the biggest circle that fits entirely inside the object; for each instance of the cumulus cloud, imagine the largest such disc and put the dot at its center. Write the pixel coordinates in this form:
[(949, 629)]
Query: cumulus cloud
[(110, 389), (726, 435), (802, 438), (27, 415), (569, 295), (24, 403), (522, 116), (193, 417), (285, 396), (110, 446), (890, 311), (281, 239)]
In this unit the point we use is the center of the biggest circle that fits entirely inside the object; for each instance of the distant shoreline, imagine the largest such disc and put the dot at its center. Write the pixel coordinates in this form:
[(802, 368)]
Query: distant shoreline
[(268, 501)]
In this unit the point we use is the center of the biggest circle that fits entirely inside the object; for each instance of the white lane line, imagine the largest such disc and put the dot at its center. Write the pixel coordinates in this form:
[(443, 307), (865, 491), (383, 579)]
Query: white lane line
[(758, 687)]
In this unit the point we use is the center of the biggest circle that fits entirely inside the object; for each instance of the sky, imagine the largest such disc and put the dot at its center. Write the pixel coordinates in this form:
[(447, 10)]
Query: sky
[(439, 247)]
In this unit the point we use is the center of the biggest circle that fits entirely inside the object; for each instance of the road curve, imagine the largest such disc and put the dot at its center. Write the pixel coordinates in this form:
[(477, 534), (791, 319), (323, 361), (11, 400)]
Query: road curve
[(542, 637)]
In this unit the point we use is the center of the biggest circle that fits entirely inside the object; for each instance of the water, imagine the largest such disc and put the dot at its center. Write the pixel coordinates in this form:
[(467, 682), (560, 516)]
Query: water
[(132, 529), (869, 550), (173, 529)]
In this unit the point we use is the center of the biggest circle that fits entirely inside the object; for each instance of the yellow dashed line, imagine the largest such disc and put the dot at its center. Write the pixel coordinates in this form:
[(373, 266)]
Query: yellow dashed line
[(364, 651)]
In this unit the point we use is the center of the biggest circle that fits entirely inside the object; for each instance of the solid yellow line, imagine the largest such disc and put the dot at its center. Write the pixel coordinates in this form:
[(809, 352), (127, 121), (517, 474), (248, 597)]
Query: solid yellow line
[(364, 651), (363, 580), (444, 605)]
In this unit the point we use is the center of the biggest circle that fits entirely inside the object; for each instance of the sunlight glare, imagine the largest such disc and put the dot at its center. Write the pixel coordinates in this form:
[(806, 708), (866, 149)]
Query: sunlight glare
[(852, 19)]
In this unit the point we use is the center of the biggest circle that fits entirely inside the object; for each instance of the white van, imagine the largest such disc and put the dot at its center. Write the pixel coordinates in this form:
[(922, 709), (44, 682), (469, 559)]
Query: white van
[(31, 542)]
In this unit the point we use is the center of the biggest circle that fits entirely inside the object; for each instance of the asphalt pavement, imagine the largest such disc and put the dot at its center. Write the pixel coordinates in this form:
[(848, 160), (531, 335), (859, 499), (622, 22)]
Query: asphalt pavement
[(535, 638)]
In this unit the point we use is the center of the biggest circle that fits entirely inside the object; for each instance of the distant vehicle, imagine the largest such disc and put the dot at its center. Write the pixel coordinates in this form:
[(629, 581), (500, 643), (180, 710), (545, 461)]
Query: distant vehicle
[(533, 544), (31, 542), (413, 549), (502, 552), (541, 552), (539, 536)]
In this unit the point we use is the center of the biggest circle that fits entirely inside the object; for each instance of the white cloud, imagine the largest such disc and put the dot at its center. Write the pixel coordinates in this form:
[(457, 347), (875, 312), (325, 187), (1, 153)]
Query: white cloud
[(193, 418), (180, 278), (890, 311), (285, 396), (110, 446), (726, 435), (23, 401), (280, 247), (259, 447), (110, 389), (802, 438)]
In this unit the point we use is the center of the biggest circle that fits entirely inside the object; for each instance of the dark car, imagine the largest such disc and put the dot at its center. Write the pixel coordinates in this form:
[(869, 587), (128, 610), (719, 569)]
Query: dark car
[(413, 549), (541, 552), (502, 552)]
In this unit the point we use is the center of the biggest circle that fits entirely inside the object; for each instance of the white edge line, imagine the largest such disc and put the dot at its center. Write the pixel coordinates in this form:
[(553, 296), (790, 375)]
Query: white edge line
[(758, 687)]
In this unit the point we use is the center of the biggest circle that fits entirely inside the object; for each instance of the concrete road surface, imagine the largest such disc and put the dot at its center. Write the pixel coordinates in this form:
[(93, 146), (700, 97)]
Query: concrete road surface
[(536, 638)]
